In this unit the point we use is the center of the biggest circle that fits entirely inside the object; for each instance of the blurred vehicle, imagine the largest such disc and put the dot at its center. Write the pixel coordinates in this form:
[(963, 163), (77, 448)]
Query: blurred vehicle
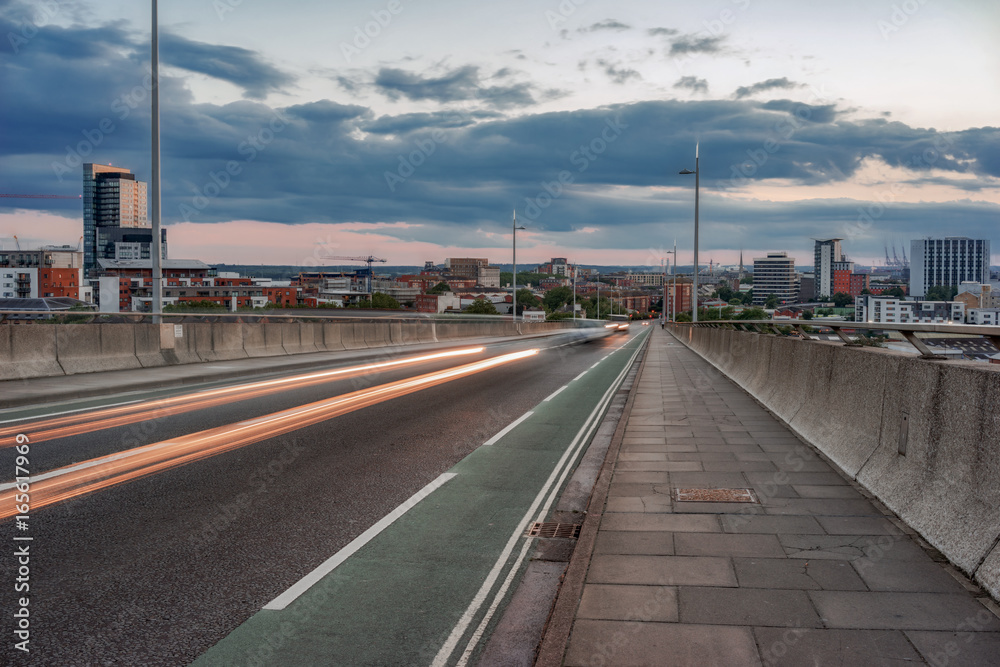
[(617, 322)]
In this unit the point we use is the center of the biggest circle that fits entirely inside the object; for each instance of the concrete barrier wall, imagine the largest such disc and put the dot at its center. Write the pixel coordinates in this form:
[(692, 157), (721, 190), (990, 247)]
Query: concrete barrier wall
[(28, 351), (851, 404), (86, 348)]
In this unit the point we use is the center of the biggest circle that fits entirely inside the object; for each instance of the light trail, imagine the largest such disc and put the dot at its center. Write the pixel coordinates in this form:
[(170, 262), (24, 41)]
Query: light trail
[(122, 415), (106, 471)]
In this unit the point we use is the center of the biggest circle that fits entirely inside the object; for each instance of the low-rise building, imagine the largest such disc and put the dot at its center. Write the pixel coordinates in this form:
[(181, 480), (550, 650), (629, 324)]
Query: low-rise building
[(881, 310), (985, 316)]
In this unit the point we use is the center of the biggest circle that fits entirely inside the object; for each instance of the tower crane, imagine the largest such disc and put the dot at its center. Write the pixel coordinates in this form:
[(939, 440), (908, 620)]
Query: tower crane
[(369, 260)]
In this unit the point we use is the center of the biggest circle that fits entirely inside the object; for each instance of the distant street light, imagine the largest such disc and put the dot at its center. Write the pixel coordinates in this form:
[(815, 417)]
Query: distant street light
[(694, 286), (513, 280)]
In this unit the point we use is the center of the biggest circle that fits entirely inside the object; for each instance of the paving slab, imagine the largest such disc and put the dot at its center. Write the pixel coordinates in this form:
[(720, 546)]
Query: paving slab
[(899, 611), (635, 644), (628, 603), (661, 570), (835, 575), (834, 648), (747, 606)]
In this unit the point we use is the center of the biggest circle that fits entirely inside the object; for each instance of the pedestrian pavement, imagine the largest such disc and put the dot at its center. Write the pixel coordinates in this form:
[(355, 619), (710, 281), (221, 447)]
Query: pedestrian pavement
[(816, 572)]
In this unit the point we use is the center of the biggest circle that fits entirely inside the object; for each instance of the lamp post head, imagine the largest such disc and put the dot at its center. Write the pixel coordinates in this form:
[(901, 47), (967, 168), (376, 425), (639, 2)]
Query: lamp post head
[(686, 172), (520, 228)]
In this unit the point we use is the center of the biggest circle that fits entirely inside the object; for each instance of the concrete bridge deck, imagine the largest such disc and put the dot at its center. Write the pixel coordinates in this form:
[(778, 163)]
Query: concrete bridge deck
[(816, 572)]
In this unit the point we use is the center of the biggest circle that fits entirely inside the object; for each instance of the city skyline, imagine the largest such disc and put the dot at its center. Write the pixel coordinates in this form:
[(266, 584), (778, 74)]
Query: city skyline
[(413, 141)]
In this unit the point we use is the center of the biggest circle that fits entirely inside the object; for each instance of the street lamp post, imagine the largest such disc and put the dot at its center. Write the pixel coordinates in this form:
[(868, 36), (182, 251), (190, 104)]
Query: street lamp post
[(156, 270), (513, 278), (673, 295), (694, 285)]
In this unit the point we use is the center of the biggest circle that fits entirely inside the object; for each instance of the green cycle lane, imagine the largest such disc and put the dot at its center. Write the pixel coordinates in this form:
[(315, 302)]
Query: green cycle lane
[(399, 598)]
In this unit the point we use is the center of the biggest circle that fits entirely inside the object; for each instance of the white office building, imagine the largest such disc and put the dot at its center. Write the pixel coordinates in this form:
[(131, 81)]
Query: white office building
[(827, 253), (774, 274), (947, 262)]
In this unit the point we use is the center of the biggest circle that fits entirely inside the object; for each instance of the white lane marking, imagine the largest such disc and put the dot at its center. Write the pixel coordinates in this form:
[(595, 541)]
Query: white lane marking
[(306, 582), (507, 429), (58, 472), (579, 376), (595, 422), (69, 412), (596, 362), (555, 393), (567, 458)]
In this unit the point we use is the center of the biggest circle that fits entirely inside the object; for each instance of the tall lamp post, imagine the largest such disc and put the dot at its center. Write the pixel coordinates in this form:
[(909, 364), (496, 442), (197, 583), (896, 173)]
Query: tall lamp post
[(694, 285), (156, 270), (673, 294), (513, 279)]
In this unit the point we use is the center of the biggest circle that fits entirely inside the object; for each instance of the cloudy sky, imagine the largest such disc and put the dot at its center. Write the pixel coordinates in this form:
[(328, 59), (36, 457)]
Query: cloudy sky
[(411, 129)]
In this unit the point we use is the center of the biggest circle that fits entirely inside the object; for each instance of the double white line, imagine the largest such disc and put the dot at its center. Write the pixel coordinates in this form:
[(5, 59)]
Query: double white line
[(550, 488)]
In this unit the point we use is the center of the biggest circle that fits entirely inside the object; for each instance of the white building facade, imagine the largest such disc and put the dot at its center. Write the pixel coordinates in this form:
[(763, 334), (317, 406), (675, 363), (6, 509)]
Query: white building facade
[(881, 310)]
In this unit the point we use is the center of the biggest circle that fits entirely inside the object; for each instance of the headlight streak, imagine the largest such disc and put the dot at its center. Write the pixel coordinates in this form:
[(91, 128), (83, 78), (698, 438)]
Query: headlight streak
[(106, 471), (98, 420)]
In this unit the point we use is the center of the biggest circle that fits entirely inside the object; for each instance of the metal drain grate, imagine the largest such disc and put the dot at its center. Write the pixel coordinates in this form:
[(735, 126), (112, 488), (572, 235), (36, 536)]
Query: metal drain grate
[(570, 531), (715, 496)]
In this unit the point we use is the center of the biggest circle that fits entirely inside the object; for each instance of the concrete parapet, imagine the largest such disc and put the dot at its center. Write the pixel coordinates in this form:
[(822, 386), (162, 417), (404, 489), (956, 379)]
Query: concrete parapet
[(352, 336), (298, 337), (922, 436), (331, 337), (262, 340), (148, 344), (947, 484), (28, 351), (376, 334), (88, 348), (219, 341)]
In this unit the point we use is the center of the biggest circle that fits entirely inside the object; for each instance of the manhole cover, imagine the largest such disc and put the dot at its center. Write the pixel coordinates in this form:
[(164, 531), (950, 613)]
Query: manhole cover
[(551, 529), (715, 496)]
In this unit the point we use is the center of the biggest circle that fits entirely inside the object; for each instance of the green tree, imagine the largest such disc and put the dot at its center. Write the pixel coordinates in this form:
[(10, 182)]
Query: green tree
[(941, 293), (752, 314), (557, 297), (807, 315), (591, 306), (841, 300), (896, 292), (526, 299), (683, 317), (440, 288), (747, 280), (482, 307), (772, 302), (380, 300)]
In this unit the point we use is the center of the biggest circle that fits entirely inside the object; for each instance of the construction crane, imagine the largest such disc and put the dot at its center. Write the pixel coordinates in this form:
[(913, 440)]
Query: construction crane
[(13, 196), (369, 260)]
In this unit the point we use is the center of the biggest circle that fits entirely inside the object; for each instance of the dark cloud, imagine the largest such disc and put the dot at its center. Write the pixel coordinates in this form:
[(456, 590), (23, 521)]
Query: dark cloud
[(687, 44), (771, 84), (692, 83), (607, 24), (459, 84), (617, 74), (239, 66), (327, 161), (662, 32), (412, 122)]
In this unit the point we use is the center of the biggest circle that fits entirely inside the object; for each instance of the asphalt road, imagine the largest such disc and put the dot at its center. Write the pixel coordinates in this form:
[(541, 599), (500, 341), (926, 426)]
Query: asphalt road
[(157, 570)]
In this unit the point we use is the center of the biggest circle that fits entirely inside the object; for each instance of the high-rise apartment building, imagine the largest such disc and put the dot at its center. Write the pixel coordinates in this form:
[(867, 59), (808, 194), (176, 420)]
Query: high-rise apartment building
[(947, 262), (827, 254), (774, 274), (112, 199)]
